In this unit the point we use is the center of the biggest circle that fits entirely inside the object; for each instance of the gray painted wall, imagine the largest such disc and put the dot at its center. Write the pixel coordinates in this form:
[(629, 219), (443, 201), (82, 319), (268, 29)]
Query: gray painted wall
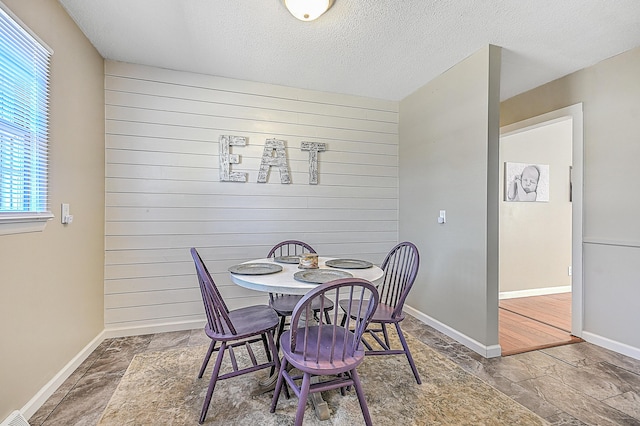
[(164, 195), (449, 161), (610, 92), (51, 284)]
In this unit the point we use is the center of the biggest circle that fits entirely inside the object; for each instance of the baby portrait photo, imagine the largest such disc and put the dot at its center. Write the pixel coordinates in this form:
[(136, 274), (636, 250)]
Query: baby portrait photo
[(526, 182)]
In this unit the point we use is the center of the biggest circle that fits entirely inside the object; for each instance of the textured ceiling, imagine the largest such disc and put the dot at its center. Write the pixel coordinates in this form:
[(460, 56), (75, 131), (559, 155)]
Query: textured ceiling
[(383, 49)]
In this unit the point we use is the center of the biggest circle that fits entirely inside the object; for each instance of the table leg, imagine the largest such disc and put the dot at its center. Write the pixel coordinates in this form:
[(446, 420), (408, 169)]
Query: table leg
[(265, 384), (319, 404)]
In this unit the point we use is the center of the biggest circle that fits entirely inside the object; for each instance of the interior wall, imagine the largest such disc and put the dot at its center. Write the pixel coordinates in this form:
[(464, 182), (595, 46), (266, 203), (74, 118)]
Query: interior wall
[(449, 161), (52, 298), (164, 194), (609, 92), (535, 237)]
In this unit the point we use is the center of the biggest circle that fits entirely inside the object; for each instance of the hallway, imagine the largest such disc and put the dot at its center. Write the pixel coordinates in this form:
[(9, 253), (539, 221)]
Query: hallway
[(536, 322)]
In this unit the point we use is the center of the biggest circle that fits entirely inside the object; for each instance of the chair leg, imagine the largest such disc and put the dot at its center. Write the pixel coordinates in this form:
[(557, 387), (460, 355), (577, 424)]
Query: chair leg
[(302, 401), (361, 399), (283, 320), (212, 347), (278, 388), (408, 353), (327, 317), (212, 382), (385, 334), (274, 351), (345, 389), (267, 348)]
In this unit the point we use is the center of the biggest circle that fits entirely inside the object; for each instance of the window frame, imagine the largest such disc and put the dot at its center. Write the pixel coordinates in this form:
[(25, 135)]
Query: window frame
[(14, 222)]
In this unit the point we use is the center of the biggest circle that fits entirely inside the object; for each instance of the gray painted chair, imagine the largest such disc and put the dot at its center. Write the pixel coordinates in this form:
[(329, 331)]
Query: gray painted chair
[(237, 328), (283, 304), (400, 268), (317, 348)]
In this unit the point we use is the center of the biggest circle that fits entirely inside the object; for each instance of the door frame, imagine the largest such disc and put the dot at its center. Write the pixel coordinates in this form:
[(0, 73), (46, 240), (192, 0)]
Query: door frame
[(575, 114)]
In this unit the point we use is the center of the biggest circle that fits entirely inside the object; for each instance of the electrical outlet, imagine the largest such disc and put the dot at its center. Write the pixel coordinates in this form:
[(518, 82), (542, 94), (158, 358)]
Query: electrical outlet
[(569, 271)]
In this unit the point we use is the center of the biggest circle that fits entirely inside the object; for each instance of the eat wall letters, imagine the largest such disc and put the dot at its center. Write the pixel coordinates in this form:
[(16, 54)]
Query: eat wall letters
[(274, 155), (226, 158)]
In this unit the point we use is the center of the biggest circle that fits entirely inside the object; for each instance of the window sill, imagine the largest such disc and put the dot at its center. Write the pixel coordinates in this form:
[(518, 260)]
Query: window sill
[(20, 223)]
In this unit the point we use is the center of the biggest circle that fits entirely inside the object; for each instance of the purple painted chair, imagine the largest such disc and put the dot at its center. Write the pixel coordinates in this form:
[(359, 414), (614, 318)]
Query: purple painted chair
[(332, 351), (400, 270), (283, 304), (237, 328)]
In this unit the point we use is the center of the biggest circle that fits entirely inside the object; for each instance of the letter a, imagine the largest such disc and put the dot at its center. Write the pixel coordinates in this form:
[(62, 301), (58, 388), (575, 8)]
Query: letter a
[(274, 155)]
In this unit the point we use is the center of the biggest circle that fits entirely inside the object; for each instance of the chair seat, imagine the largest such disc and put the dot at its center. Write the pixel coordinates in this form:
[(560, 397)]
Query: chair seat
[(248, 322), (327, 347), (285, 304), (382, 314)]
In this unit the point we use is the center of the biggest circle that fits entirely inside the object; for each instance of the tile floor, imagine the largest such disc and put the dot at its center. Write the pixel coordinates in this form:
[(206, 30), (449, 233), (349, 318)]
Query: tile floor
[(578, 384)]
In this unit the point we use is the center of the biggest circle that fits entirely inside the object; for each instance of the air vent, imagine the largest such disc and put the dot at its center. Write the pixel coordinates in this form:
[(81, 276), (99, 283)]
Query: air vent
[(15, 419)]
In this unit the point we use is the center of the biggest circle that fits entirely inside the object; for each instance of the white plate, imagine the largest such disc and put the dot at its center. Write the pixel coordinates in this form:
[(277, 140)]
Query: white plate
[(348, 263), (320, 276), (255, 269)]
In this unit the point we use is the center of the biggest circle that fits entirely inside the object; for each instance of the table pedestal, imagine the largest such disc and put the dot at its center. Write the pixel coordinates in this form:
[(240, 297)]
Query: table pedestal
[(320, 406)]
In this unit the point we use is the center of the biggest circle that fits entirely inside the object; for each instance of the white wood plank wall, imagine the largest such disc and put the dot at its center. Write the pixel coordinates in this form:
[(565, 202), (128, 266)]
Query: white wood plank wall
[(163, 193)]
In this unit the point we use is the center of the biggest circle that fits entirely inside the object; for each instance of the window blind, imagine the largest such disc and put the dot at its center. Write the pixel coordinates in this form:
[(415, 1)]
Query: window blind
[(24, 104)]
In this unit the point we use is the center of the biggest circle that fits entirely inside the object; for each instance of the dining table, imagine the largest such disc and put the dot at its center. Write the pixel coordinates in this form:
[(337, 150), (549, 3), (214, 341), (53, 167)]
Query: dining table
[(283, 275), (280, 276)]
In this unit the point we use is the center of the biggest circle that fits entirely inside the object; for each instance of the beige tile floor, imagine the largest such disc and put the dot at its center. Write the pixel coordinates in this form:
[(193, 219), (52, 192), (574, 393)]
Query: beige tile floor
[(578, 384)]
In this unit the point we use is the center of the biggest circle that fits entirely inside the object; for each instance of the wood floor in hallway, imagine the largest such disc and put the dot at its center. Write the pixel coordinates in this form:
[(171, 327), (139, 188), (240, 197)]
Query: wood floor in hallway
[(536, 322)]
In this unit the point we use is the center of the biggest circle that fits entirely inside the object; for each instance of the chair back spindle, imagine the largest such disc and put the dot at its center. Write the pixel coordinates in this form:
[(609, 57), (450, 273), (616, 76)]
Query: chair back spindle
[(400, 268), (317, 340), (288, 248), (214, 306)]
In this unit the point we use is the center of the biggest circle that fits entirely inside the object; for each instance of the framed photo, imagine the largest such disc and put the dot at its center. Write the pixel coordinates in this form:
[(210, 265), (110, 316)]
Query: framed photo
[(526, 182)]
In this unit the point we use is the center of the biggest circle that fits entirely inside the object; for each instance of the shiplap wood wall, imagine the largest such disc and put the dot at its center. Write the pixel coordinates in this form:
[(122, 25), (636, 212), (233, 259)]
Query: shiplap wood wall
[(164, 195)]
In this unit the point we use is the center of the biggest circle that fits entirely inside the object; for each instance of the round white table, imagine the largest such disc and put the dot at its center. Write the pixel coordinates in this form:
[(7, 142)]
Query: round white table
[(284, 282)]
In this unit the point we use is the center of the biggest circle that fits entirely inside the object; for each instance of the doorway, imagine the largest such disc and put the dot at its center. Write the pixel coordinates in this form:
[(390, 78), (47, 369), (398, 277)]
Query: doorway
[(540, 282)]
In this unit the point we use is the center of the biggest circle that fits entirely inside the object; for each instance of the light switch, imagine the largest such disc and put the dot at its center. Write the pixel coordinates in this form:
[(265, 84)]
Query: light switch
[(65, 217), (443, 217)]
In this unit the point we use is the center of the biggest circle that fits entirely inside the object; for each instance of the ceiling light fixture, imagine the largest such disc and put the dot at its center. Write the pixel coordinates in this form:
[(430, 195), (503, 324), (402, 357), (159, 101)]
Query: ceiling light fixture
[(308, 10)]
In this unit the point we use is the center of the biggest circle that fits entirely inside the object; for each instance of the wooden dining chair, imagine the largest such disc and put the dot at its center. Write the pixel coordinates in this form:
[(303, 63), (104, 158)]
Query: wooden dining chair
[(233, 329), (327, 351), (400, 268), (283, 304)]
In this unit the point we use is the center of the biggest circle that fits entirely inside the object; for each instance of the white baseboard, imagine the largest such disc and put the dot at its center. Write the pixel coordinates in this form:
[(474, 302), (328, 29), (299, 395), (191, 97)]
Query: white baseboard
[(47, 390), (492, 351), (534, 292), (495, 350), (621, 348), (111, 332)]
